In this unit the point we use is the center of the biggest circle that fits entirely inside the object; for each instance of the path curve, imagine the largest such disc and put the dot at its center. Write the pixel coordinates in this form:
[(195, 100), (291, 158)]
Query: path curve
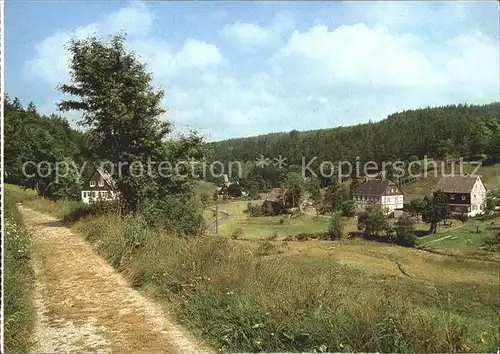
[(84, 305)]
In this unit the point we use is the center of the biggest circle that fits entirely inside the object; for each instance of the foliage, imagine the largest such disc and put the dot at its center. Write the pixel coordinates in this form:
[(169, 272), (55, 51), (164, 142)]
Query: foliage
[(336, 227), (492, 243), (238, 232), (295, 188), (405, 231), (436, 209), (120, 109), (33, 140), (408, 135), (348, 208), (373, 221), (17, 282)]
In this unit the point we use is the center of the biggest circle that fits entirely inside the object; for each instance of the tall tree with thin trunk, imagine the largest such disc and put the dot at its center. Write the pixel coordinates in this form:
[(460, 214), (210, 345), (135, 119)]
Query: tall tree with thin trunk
[(120, 108)]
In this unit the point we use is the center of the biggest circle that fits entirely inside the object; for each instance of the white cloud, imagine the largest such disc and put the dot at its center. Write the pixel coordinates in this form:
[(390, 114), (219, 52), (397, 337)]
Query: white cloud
[(316, 77), (246, 34), (357, 55)]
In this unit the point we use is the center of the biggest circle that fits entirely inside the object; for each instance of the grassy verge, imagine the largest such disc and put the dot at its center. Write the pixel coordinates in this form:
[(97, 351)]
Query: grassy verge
[(467, 239), (239, 301), (18, 281)]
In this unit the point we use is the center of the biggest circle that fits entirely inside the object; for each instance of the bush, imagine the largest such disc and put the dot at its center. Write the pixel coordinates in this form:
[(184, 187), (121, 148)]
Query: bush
[(335, 228), (273, 236), (254, 210), (282, 221), (238, 232), (302, 237), (405, 231), (266, 249), (492, 243)]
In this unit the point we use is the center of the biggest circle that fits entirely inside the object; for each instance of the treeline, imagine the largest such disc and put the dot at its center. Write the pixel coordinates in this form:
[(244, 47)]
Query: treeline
[(32, 138), (434, 132)]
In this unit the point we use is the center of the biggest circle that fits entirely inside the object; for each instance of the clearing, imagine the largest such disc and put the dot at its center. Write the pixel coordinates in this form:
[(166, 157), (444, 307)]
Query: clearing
[(83, 304)]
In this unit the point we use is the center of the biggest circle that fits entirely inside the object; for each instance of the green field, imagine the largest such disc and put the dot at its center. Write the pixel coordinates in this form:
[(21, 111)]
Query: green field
[(264, 226), (466, 239)]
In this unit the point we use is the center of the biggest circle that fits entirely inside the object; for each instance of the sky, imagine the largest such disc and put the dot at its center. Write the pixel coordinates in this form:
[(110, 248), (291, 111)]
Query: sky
[(235, 69)]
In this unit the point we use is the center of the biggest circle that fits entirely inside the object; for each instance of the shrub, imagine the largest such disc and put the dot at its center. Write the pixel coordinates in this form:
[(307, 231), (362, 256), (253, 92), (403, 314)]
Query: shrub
[(492, 243), (273, 236), (238, 232), (266, 248), (302, 237), (335, 228), (405, 231), (253, 210), (282, 221)]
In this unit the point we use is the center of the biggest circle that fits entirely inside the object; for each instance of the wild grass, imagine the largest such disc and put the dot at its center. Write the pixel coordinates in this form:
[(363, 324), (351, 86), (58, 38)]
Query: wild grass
[(240, 299), (18, 281), (467, 239), (243, 302)]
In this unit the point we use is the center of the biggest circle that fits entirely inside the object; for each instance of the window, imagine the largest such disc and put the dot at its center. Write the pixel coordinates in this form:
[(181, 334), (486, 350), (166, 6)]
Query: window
[(474, 196), (463, 197), (85, 194), (104, 195), (482, 195), (452, 197), (101, 182), (92, 183), (474, 207), (92, 194)]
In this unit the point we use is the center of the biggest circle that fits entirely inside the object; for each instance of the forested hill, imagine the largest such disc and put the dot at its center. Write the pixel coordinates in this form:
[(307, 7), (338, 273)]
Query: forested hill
[(454, 129)]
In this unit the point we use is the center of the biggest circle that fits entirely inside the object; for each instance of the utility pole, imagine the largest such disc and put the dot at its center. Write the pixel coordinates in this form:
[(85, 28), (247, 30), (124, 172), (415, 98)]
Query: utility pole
[(216, 219)]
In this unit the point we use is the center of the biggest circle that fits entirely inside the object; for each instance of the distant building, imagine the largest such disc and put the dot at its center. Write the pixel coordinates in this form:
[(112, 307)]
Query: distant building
[(467, 194), (381, 192), (231, 189), (100, 186), (277, 195)]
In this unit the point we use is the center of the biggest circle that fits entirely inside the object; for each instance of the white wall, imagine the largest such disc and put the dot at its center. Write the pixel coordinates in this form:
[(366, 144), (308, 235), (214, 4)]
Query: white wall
[(87, 199)]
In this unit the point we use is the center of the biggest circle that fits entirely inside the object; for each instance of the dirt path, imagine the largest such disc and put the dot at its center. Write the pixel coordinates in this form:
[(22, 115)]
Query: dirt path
[(84, 305)]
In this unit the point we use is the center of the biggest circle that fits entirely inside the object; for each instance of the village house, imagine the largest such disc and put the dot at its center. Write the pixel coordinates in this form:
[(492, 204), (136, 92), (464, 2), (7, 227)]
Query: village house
[(230, 189), (467, 194), (381, 192), (100, 186)]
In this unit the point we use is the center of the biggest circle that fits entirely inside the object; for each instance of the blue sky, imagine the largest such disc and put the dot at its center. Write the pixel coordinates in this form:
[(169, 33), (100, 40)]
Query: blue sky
[(232, 69)]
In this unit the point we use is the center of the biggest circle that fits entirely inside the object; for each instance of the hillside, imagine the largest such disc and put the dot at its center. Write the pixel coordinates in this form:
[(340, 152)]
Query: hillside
[(461, 129)]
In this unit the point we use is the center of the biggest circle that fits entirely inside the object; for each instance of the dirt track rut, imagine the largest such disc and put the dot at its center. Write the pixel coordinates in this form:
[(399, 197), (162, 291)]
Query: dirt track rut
[(84, 305)]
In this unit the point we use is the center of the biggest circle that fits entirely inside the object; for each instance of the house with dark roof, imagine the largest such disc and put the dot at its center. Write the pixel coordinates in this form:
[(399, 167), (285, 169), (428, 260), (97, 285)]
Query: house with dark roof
[(381, 192), (467, 194), (100, 186)]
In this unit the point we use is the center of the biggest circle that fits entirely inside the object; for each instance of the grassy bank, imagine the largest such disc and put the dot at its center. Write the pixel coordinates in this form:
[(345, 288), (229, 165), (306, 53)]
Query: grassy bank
[(241, 302), (18, 281)]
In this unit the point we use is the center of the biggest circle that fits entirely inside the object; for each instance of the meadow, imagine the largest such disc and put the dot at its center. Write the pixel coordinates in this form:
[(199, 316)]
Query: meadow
[(353, 295)]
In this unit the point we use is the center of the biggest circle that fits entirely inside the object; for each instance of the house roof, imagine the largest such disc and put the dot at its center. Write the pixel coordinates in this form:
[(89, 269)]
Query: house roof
[(375, 187), (276, 195), (456, 184), (107, 178)]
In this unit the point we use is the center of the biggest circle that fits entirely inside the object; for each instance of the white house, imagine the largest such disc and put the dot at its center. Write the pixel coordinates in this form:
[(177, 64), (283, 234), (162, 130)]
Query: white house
[(381, 192), (467, 193), (100, 186)]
